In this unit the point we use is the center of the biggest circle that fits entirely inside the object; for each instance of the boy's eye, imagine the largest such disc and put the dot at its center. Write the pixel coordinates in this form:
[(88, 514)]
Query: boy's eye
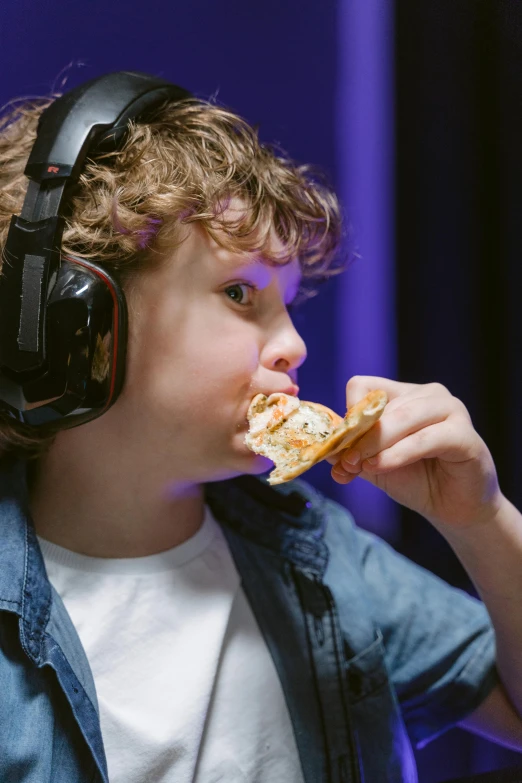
[(237, 293)]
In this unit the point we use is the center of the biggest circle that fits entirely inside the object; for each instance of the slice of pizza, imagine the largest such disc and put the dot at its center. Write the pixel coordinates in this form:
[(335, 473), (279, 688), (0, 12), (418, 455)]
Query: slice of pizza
[(296, 435)]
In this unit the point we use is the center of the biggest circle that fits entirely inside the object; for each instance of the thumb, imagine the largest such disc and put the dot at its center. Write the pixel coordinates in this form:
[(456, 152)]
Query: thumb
[(359, 385)]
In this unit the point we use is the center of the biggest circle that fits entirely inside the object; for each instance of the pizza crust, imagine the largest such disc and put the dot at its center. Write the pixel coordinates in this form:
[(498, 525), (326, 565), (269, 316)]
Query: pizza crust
[(296, 434)]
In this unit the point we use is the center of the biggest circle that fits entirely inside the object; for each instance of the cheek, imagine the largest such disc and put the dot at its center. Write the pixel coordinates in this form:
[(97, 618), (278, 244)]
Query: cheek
[(221, 368), (196, 368), (216, 348)]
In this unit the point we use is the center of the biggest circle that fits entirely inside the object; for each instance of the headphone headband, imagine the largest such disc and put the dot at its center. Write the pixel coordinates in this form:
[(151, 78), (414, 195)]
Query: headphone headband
[(75, 122)]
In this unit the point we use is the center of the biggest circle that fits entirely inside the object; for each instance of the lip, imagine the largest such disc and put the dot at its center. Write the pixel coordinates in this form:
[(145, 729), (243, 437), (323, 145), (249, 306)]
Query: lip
[(292, 391)]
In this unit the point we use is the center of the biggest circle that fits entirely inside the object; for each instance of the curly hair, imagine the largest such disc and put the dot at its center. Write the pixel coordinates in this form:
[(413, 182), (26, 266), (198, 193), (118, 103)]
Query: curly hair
[(184, 164)]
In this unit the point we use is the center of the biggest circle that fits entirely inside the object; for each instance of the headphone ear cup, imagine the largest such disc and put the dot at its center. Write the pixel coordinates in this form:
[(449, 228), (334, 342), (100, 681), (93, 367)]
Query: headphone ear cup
[(86, 324), (63, 341)]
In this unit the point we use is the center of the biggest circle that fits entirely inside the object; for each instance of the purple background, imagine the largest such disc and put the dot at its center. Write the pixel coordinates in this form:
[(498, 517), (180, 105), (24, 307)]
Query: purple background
[(413, 111)]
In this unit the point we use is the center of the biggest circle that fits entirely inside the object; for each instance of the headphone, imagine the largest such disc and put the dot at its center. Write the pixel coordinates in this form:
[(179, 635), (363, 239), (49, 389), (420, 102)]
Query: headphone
[(63, 320)]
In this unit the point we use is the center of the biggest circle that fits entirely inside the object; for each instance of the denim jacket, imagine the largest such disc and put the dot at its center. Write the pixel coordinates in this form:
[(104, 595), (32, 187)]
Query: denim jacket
[(373, 652)]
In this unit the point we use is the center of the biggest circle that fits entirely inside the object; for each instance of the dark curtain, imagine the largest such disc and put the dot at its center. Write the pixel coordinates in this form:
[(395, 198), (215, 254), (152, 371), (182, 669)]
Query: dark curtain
[(458, 255), (457, 132)]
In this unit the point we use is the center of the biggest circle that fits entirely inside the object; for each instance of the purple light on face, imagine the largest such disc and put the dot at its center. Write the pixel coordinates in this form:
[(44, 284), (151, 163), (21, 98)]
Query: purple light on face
[(366, 326)]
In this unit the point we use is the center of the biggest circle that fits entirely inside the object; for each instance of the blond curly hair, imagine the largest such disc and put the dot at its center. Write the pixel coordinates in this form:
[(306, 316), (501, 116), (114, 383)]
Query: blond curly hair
[(184, 164)]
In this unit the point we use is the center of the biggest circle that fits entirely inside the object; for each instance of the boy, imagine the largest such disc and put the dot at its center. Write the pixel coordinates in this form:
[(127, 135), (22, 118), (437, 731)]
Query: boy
[(165, 612)]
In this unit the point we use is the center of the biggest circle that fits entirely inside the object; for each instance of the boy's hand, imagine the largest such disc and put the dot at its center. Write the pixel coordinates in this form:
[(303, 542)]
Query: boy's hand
[(427, 454)]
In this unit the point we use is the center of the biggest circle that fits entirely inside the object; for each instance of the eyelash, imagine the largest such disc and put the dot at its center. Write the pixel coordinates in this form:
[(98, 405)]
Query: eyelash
[(290, 307), (252, 288)]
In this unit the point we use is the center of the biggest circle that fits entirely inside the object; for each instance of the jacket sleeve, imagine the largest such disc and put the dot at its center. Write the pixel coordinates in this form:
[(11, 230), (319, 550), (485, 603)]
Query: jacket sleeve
[(439, 641)]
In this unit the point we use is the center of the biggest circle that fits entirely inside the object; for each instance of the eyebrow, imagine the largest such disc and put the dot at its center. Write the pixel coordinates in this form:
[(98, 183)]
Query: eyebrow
[(243, 262), (249, 265), (246, 266)]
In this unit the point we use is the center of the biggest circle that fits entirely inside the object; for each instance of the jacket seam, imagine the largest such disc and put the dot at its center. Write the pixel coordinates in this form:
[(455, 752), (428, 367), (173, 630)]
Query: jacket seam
[(349, 724), (73, 679), (24, 585), (444, 698)]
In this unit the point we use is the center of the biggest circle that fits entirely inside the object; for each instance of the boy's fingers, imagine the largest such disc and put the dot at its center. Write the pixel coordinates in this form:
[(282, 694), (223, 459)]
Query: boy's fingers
[(335, 456), (342, 477), (359, 385)]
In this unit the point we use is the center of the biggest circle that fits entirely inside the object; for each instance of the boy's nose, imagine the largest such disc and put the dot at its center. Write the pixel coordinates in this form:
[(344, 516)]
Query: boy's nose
[(286, 354)]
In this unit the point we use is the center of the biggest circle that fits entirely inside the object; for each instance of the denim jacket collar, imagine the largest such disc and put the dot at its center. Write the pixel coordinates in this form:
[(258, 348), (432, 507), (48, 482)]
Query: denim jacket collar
[(24, 587), (287, 519), (284, 520)]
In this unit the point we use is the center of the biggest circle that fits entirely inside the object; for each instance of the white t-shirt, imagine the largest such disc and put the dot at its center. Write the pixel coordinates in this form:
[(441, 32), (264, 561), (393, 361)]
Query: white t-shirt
[(187, 689)]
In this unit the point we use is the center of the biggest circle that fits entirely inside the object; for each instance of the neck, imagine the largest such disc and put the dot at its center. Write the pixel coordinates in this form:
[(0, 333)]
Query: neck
[(105, 505)]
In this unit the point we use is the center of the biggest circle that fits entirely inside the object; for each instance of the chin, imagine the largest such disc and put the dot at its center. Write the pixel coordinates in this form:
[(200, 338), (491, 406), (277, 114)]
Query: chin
[(247, 463), (252, 464), (259, 465)]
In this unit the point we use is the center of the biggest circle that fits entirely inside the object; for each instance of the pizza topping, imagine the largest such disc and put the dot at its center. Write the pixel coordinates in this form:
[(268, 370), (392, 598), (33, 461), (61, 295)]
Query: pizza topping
[(296, 435), (268, 413)]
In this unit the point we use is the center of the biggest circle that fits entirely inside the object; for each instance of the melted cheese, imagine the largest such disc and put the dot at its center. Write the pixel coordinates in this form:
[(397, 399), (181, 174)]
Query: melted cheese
[(308, 421), (281, 434), (278, 407)]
